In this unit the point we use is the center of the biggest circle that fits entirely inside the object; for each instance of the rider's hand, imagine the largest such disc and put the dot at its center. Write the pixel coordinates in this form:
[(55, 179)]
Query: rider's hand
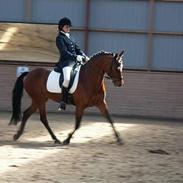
[(79, 58), (87, 58)]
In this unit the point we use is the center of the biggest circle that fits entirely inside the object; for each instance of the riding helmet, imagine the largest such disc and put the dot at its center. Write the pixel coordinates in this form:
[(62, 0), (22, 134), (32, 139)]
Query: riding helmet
[(64, 21)]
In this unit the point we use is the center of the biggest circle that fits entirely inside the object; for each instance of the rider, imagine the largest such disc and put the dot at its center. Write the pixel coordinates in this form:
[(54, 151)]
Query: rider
[(69, 54)]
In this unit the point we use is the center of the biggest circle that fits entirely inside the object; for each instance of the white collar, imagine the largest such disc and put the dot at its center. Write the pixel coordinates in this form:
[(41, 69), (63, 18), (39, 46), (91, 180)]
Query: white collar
[(65, 33)]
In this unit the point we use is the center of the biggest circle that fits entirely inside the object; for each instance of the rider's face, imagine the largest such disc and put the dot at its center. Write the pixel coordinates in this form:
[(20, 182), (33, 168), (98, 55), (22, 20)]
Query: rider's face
[(66, 28)]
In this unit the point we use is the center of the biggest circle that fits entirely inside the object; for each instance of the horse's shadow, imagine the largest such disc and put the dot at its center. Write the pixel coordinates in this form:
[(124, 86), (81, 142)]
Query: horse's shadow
[(31, 144), (45, 145)]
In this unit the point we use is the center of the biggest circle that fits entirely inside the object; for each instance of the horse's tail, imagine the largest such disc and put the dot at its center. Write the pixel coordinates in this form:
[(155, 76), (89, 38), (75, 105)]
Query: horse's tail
[(16, 99)]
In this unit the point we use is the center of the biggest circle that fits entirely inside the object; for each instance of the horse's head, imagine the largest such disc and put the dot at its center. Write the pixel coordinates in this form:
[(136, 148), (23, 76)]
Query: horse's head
[(116, 68)]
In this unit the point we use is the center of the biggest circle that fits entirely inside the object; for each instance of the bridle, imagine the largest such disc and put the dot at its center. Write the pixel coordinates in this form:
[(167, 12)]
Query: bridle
[(114, 79), (107, 76)]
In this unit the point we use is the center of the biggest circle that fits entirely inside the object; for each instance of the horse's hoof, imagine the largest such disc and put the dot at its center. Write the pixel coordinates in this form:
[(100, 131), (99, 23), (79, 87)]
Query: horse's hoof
[(15, 137), (66, 142), (120, 142), (58, 142), (62, 106)]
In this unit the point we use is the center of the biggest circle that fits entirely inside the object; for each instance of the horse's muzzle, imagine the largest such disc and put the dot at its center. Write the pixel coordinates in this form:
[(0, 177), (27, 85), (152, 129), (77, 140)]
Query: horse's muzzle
[(118, 83)]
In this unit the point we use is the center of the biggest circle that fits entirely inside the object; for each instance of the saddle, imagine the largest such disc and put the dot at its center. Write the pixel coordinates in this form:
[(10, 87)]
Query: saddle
[(74, 71), (55, 80)]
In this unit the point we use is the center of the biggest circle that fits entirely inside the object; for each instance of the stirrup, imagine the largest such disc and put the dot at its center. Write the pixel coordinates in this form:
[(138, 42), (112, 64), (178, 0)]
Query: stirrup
[(62, 106)]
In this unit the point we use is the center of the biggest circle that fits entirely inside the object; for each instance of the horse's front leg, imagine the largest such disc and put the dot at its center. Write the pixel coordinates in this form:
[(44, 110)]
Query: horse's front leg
[(104, 110), (78, 117)]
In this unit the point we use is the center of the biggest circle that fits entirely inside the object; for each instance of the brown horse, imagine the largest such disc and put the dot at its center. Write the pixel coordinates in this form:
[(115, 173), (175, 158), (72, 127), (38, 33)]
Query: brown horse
[(89, 92)]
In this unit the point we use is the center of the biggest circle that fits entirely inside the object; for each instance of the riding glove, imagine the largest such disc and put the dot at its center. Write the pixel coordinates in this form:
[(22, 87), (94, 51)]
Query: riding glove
[(79, 58), (86, 58)]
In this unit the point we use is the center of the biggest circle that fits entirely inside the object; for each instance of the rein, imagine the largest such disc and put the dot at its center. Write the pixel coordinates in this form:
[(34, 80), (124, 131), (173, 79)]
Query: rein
[(96, 70)]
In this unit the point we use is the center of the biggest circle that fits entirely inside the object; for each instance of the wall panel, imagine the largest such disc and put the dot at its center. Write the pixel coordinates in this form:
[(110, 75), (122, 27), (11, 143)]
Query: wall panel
[(169, 17), (168, 53), (12, 10), (134, 44), (47, 11), (118, 14)]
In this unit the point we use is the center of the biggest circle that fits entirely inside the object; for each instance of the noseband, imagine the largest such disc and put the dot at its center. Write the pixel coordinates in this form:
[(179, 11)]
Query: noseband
[(114, 79)]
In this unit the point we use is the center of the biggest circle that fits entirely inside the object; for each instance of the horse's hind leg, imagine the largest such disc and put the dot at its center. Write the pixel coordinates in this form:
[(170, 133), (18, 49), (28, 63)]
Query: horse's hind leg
[(43, 118), (26, 114), (78, 117)]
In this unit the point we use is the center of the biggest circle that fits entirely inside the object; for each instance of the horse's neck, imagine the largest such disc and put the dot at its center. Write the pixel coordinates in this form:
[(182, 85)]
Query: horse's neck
[(97, 67), (94, 71)]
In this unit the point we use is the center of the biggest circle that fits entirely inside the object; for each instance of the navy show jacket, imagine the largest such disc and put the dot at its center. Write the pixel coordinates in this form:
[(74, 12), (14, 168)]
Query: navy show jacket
[(68, 49)]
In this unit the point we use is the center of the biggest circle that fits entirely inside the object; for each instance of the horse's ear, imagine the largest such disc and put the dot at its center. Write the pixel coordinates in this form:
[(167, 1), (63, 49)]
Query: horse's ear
[(122, 52), (116, 56)]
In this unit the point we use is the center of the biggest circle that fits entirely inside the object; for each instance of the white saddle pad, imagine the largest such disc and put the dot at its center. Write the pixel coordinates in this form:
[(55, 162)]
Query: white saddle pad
[(52, 84)]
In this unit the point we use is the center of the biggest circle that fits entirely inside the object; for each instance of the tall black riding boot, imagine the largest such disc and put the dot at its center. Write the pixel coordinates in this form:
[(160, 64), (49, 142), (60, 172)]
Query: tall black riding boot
[(62, 105)]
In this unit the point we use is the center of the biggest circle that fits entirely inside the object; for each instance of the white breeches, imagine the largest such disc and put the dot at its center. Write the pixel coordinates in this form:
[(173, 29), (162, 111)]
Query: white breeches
[(67, 74)]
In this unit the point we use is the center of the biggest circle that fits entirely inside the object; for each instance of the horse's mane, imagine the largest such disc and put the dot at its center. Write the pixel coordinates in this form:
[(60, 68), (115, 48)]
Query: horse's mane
[(100, 53)]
